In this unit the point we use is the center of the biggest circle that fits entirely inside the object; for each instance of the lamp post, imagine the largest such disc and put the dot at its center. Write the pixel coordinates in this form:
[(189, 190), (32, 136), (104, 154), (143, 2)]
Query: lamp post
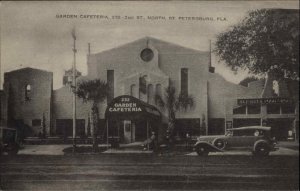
[(74, 89)]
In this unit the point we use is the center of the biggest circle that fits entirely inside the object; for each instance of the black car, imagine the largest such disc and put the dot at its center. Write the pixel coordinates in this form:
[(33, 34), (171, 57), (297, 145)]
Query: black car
[(8, 141), (252, 138)]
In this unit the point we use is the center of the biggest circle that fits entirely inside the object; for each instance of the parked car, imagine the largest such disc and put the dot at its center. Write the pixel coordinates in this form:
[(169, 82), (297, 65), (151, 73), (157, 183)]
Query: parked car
[(253, 138), (8, 141)]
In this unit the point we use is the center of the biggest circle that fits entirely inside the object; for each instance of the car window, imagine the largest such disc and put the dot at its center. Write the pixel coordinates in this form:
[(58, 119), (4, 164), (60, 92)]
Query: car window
[(249, 132), (244, 132)]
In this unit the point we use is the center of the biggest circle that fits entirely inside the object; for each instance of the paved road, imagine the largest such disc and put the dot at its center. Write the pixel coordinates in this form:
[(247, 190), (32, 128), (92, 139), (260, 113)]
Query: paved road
[(148, 172)]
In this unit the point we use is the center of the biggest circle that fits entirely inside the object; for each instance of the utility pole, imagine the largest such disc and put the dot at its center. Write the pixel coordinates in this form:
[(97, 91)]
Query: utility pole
[(74, 88)]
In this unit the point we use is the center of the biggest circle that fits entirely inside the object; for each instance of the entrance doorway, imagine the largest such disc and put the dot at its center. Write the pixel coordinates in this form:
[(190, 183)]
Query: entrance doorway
[(129, 120), (129, 131)]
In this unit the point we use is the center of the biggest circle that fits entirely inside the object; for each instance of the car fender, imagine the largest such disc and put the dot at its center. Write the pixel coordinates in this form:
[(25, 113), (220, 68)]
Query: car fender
[(259, 142), (225, 142), (209, 146)]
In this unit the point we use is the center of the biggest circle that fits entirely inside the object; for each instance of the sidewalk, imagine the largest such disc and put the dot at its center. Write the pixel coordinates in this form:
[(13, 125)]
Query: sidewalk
[(58, 149), (286, 148), (289, 144)]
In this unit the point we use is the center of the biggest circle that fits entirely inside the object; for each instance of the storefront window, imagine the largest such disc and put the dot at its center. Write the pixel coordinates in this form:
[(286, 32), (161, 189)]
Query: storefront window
[(286, 109), (273, 109), (189, 125), (253, 109)]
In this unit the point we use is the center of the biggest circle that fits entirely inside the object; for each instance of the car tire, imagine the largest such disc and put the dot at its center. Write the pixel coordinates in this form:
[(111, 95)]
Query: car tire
[(261, 149), (219, 143), (13, 149), (202, 150)]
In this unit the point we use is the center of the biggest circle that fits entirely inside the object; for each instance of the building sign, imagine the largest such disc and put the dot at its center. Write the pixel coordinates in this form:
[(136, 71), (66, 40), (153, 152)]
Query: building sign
[(264, 101), (125, 105)]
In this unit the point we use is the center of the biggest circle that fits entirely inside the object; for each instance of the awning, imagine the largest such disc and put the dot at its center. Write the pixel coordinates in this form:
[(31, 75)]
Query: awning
[(126, 107)]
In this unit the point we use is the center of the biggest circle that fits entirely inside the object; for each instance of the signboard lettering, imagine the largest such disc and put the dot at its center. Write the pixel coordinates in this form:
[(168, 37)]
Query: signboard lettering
[(125, 107), (264, 101)]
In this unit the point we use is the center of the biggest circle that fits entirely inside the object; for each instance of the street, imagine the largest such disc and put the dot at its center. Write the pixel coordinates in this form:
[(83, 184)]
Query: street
[(148, 172)]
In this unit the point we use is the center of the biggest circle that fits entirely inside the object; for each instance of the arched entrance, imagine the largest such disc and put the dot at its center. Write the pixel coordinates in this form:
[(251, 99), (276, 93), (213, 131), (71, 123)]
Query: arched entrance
[(129, 120)]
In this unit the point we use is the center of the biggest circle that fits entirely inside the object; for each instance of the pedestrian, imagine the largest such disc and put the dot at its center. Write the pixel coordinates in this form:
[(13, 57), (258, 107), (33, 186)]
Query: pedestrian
[(168, 140), (152, 141), (187, 139)]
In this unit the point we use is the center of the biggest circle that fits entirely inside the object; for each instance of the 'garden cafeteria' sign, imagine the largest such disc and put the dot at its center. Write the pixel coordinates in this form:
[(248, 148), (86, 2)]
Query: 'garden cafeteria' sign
[(124, 105)]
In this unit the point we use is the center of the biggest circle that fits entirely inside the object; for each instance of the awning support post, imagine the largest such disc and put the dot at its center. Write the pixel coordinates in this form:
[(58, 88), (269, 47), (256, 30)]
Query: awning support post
[(147, 135), (107, 134)]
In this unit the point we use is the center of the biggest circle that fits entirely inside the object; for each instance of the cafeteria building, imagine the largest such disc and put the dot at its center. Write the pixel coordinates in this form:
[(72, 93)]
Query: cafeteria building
[(136, 73)]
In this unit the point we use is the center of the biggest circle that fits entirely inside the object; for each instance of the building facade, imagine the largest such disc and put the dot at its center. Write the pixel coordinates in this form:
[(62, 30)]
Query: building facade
[(143, 69), (27, 100)]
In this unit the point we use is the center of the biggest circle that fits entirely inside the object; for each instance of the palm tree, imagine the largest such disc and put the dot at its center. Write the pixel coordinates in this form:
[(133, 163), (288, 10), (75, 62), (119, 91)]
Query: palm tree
[(174, 104), (95, 92)]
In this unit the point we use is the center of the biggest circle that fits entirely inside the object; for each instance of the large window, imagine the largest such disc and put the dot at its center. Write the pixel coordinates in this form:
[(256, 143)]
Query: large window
[(253, 109), (184, 80), (288, 109), (189, 125), (64, 127), (246, 122), (247, 109), (273, 109)]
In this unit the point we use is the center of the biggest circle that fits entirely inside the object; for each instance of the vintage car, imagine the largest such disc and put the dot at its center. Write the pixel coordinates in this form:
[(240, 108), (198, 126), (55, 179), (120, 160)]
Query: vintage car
[(253, 138), (8, 141)]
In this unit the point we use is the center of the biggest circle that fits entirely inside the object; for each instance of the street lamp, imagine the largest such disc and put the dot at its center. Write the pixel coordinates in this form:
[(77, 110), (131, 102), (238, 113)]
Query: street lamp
[(74, 89)]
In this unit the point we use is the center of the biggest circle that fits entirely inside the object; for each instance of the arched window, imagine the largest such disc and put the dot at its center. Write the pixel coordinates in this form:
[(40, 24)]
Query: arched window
[(158, 92), (133, 90), (27, 92), (150, 94)]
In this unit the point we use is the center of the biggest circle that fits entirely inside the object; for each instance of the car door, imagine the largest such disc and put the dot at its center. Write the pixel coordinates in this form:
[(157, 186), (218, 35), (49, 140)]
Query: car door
[(241, 139)]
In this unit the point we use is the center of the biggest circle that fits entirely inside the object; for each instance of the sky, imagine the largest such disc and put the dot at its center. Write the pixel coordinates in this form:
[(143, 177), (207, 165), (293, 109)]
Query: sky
[(33, 34)]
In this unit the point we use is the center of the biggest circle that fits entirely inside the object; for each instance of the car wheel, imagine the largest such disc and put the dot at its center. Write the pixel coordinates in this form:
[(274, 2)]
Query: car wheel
[(219, 143), (262, 150), (12, 149), (12, 152), (202, 150)]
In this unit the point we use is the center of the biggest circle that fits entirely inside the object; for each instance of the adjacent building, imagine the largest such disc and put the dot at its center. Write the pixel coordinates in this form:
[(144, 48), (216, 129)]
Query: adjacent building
[(136, 74)]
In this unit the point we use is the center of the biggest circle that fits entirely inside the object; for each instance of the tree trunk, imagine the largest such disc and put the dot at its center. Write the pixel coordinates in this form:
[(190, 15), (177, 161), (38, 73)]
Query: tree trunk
[(94, 126), (171, 122)]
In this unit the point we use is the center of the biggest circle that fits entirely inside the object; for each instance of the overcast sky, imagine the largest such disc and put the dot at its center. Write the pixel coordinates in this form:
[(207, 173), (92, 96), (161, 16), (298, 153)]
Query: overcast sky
[(32, 36)]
